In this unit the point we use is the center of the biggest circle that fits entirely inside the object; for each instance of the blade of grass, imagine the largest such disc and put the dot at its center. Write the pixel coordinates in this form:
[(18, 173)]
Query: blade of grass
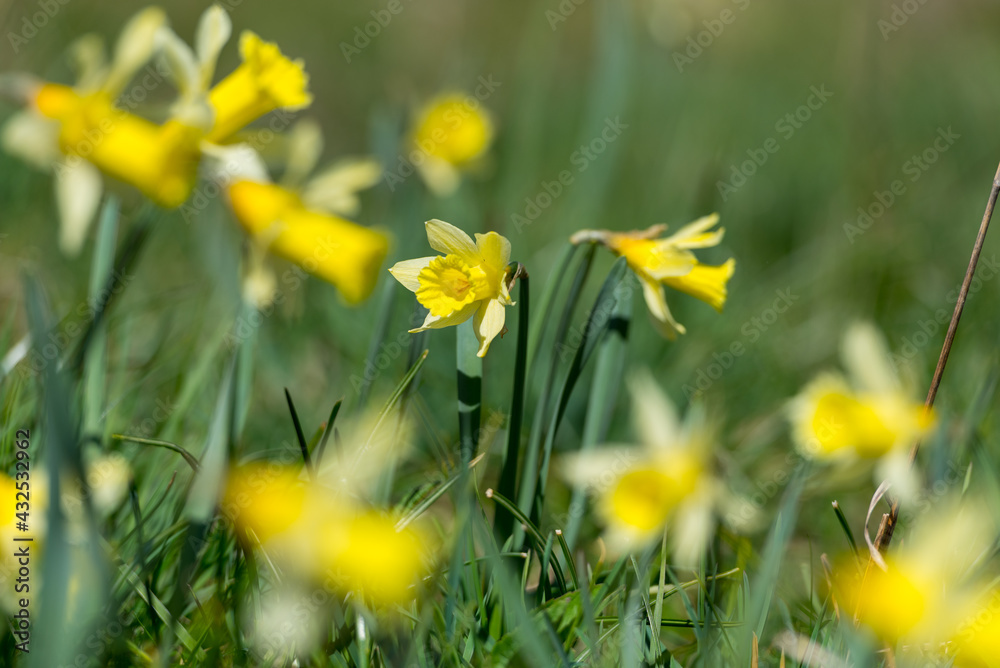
[(301, 437), (504, 522)]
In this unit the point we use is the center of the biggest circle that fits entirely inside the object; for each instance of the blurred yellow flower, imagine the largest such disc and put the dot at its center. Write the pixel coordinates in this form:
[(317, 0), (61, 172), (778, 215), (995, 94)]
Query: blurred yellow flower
[(265, 499), (872, 417), (922, 591), (364, 552), (267, 80), (670, 262), (72, 131), (469, 281), (977, 640), (343, 253), (665, 481), (451, 132)]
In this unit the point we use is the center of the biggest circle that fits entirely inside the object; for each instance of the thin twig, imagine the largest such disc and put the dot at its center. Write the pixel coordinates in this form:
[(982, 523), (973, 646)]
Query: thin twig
[(884, 535)]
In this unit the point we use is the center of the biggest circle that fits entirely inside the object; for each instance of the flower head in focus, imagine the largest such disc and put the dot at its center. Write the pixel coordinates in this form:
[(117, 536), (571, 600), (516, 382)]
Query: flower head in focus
[(665, 481), (303, 219), (80, 131), (450, 134), (468, 281), (869, 417), (669, 262)]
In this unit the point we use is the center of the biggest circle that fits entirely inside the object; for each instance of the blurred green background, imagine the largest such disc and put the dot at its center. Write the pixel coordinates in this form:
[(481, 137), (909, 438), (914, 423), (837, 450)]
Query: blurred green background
[(698, 87)]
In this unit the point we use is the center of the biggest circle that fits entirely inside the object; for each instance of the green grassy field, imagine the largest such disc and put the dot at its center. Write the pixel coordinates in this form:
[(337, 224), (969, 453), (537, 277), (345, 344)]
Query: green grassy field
[(847, 148)]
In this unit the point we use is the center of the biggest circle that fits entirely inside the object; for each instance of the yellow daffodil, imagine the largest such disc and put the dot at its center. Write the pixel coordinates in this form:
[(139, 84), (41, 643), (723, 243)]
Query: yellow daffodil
[(667, 480), (322, 526), (669, 262), (468, 281), (302, 222), (76, 131), (450, 134), (921, 591), (266, 80), (870, 418)]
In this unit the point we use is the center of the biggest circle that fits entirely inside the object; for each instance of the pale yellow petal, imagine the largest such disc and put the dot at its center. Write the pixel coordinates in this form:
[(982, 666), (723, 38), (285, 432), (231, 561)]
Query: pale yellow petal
[(448, 239), (488, 323), (78, 194), (335, 188), (33, 138), (652, 292), (136, 44), (495, 250), (654, 414), (305, 145), (407, 271), (456, 318), (693, 235), (439, 175), (214, 30), (89, 62), (866, 358)]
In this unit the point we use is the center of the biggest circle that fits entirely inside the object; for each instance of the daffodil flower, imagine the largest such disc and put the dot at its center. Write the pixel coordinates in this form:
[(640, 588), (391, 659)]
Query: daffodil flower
[(667, 480), (872, 417), (468, 281), (450, 134), (303, 222), (669, 262), (923, 591), (266, 80), (323, 528), (78, 131)]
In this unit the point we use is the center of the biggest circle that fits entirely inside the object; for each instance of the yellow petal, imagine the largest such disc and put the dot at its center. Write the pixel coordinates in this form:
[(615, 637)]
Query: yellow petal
[(407, 271), (696, 235), (866, 358), (455, 318), (266, 499), (448, 239), (214, 30), (448, 283), (489, 322), (454, 129), (134, 48), (654, 414), (652, 292), (705, 282)]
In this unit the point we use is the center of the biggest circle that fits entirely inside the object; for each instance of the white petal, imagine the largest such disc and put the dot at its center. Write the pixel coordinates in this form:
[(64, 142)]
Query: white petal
[(135, 46), (654, 414), (334, 188), (866, 358), (896, 469), (89, 61), (305, 145), (439, 175), (488, 324), (214, 30), (406, 272), (234, 162), (597, 469), (181, 62), (692, 530), (78, 193), (32, 138), (448, 239), (658, 309)]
